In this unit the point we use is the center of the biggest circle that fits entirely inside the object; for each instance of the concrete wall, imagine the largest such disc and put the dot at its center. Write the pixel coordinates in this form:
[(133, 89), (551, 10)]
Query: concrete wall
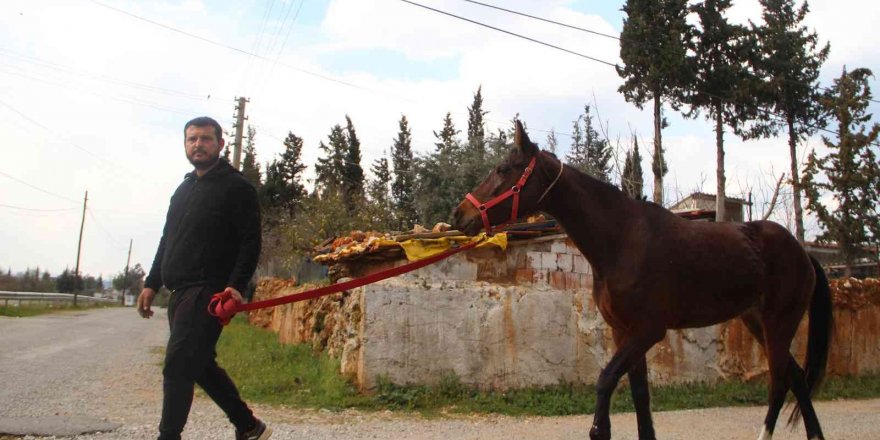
[(523, 318)]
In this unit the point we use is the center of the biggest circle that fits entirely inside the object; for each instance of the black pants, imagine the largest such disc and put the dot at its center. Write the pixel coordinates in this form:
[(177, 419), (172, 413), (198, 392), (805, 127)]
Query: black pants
[(190, 358)]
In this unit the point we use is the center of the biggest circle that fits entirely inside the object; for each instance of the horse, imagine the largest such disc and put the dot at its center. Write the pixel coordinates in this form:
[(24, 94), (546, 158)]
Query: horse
[(654, 271)]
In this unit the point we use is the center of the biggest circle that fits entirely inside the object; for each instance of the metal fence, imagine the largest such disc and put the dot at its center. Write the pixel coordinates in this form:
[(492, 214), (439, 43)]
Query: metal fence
[(19, 298)]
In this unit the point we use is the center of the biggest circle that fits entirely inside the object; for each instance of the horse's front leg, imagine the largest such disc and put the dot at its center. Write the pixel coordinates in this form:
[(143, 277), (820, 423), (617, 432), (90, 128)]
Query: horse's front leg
[(629, 353), (641, 394)]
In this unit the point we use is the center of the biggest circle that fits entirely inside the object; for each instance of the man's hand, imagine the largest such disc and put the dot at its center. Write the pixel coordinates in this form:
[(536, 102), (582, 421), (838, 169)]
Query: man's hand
[(145, 299), (236, 295)]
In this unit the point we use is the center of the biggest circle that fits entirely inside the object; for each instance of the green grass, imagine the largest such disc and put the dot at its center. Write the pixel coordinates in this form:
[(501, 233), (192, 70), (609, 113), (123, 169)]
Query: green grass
[(296, 376), (27, 310), (266, 371)]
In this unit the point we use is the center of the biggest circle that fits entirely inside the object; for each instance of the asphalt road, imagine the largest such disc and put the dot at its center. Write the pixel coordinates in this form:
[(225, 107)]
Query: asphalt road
[(97, 373)]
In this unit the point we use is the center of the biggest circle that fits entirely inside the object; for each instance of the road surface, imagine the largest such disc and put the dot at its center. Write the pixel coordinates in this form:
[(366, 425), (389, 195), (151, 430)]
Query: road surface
[(99, 370)]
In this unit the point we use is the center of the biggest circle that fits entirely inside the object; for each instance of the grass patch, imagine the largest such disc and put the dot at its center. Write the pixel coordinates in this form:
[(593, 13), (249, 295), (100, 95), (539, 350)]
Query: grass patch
[(266, 371), (26, 310), (294, 375)]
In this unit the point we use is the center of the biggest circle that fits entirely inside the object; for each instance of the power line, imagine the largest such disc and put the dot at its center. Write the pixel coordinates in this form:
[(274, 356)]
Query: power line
[(241, 51), (758, 108), (614, 37), (68, 141), (39, 189), (86, 90), (792, 81), (511, 33), (80, 72), (103, 229), (38, 210)]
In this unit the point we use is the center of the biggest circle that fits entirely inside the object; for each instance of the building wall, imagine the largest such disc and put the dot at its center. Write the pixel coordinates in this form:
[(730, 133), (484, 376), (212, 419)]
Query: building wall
[(526, 317)]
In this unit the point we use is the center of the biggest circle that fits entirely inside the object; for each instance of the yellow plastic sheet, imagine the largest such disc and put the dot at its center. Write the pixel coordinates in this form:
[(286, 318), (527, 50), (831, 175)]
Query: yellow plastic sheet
[(417, 249)]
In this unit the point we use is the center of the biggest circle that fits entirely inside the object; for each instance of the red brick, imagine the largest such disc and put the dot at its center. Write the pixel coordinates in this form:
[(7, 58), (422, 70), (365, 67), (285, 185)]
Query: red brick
[(525, 276), (557, 280)]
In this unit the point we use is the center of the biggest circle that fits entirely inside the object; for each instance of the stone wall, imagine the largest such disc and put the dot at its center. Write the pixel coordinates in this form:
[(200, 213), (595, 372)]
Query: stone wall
[(521, 318)]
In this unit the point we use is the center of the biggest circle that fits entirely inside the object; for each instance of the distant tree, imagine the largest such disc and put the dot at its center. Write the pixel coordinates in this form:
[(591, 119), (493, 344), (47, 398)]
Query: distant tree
[(330, 169), (440, 184), (551, 141), (632, 181), (133, 282), (472, 160), (379, 192), (589, 152), (851, 171), (655, 68), (250, 168), (402, 186), (789, 62), (353, 174), (65, 283), (721, 52)]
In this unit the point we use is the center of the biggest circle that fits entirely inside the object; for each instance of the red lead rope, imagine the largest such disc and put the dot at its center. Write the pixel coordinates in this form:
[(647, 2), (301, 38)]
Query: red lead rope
[(224, 307)]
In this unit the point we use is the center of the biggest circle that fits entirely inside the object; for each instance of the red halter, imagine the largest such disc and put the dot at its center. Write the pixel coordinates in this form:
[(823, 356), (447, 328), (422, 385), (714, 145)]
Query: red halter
[(512, 192)]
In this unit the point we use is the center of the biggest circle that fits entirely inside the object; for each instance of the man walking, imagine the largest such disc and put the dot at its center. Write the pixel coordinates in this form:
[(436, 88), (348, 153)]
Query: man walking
[(210, 243)]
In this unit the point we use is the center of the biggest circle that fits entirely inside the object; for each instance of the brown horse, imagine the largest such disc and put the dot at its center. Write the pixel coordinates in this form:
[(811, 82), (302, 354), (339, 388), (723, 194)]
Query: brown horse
[(655, 271)]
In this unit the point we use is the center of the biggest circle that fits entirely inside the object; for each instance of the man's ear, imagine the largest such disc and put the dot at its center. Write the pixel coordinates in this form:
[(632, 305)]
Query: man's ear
[(522, 142)]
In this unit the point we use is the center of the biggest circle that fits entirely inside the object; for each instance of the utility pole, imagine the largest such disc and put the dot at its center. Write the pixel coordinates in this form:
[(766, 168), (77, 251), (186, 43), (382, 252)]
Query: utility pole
[(79, 248), (125, 277), (239, 128)]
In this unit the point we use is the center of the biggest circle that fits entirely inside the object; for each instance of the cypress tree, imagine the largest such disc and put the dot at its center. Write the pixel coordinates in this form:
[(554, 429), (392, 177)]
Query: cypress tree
[(721, 51), (402, 186), (590, 153), (789, 61), (330, 169), (291, 168), (472, 160), (283, 187), (440, 187), (655, 68), (378, 189), (631, 181), (353, 174), (250, 168), (851, 171), (552, 142)]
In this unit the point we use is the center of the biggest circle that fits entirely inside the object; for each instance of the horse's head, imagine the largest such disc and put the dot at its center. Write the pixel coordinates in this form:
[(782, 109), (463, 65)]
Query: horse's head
[(513, 189)]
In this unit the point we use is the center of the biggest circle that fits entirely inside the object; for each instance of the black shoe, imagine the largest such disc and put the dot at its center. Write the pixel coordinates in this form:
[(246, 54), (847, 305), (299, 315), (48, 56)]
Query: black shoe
[(258, 432)]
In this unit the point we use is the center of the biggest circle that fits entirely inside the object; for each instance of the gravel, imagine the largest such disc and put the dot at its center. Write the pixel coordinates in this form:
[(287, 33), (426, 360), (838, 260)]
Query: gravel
[(104, 364)]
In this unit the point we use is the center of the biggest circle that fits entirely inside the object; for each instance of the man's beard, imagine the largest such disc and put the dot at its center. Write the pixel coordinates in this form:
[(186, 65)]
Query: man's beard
[(204, 164)]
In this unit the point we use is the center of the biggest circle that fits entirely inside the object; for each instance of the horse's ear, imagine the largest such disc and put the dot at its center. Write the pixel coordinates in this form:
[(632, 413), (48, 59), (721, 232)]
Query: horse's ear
[(522, 142)]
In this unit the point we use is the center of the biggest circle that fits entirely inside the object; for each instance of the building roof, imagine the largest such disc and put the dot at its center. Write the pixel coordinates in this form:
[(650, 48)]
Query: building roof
[(702, 195)]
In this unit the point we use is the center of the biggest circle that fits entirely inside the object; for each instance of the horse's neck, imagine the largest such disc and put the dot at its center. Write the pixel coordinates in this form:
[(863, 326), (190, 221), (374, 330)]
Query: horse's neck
[(593, 214)]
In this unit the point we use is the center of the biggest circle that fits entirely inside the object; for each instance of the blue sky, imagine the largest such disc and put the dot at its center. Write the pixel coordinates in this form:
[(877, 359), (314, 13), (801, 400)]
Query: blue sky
[(94, 99)]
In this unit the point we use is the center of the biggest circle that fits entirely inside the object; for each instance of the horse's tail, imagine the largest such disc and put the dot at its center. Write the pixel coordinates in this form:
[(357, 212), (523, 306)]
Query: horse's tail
[(818, 336)]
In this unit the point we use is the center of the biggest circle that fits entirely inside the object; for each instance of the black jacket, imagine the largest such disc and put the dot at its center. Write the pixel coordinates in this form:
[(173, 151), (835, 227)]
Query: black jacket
[(211, 235)]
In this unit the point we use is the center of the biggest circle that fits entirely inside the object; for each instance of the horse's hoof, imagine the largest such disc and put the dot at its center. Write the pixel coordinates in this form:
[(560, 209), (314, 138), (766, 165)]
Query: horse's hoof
[(597, 433)]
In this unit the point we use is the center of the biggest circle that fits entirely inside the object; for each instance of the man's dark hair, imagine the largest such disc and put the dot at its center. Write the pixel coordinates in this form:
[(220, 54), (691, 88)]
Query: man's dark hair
[(204, 121)]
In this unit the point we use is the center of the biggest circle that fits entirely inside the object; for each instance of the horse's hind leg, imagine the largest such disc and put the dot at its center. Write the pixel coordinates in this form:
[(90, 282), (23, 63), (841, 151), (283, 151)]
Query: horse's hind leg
[(795, 380), (799, 387)]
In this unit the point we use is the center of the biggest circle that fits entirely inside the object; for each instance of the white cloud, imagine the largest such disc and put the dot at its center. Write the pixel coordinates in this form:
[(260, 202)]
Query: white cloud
[(140, 143)]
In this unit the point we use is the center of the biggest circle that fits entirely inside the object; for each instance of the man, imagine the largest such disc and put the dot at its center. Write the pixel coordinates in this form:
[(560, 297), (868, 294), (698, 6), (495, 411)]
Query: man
[(210, 243)]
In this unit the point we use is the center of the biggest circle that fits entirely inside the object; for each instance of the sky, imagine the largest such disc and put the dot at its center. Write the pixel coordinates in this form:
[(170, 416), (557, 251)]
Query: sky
[(94, 95)]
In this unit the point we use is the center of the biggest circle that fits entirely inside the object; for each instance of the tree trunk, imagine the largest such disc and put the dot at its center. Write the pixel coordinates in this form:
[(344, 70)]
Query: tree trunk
[(795, 183), (720, 198), (657, 166)]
